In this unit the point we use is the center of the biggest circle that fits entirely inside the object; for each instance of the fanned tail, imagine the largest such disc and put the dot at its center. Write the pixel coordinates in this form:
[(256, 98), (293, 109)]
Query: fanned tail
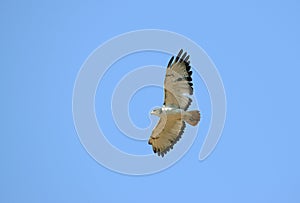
[(192, 117)]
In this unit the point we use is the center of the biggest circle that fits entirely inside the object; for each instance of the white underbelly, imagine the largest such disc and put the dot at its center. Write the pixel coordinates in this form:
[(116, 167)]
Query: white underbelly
[(171, 110)]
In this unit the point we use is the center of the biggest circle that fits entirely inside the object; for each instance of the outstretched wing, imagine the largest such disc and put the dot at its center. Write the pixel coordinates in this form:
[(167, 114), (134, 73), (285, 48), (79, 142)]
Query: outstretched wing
[(178, 82), (166, 133)]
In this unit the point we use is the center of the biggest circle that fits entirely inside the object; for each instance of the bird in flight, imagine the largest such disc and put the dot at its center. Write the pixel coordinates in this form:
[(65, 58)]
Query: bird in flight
[(173, 114)]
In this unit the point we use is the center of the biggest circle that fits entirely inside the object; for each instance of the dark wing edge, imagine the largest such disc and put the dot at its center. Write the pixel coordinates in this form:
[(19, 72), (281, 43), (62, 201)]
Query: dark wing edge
[(183, 59), (161, 151), (188, 77)]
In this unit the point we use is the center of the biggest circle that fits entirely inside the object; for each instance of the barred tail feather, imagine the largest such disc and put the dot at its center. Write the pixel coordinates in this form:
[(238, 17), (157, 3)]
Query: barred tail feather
[(192, 117)]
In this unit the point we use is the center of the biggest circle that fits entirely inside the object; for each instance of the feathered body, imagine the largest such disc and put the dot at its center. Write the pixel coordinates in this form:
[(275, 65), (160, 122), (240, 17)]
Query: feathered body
[(173, 114)]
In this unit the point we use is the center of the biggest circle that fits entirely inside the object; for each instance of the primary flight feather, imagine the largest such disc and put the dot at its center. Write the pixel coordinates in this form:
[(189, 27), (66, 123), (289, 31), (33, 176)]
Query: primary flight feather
[(173, 114)]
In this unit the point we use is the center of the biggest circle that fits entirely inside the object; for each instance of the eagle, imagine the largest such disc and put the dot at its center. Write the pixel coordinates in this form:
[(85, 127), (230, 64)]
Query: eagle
[(174, 114)]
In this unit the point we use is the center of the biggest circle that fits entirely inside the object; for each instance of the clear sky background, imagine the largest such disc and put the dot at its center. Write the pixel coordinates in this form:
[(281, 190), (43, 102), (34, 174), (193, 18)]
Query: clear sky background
[(254, 45)]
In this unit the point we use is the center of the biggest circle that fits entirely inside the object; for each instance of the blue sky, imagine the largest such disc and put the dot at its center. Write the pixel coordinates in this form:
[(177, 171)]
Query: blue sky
[(254, 45)]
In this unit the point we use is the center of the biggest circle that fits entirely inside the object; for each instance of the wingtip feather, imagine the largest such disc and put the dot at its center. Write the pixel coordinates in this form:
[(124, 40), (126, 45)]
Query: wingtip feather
[(170, 62)]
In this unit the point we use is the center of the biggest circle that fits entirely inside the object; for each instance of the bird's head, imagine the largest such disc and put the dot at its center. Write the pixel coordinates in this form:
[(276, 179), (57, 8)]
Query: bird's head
[(156, 111)]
